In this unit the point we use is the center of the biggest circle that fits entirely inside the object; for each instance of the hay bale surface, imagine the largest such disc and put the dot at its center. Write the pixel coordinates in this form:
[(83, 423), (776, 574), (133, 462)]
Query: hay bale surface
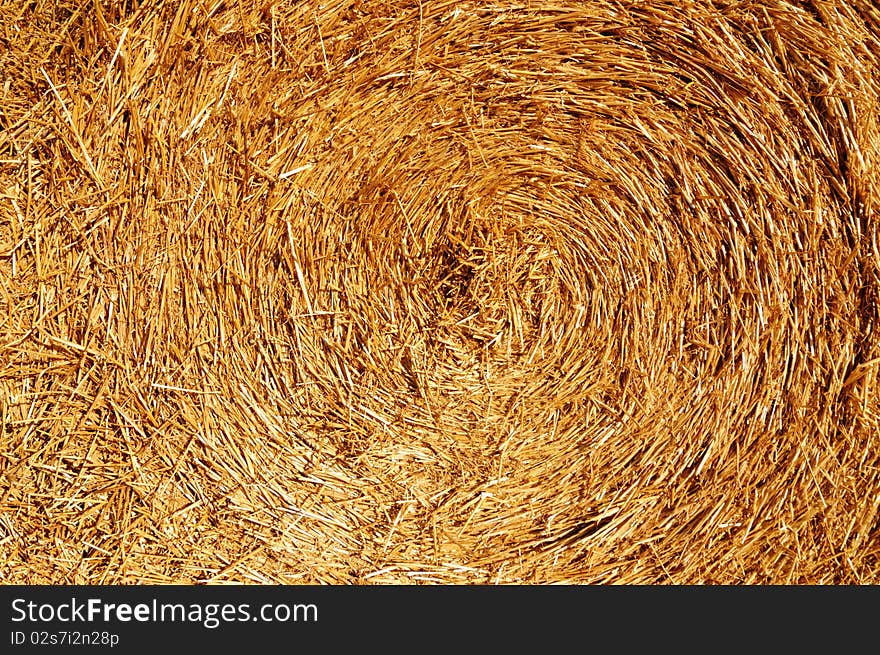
[(395, 291)]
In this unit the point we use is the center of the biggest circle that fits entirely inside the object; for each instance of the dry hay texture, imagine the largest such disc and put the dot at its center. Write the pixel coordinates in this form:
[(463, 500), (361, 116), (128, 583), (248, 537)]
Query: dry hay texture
[(453, 292)]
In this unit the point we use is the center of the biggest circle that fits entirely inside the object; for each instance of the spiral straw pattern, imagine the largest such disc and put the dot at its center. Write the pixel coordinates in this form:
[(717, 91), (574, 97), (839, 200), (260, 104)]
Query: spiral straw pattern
[(442, 292)]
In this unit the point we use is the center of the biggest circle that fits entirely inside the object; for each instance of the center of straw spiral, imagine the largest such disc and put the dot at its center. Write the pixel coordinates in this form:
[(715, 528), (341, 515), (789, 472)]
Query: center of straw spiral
[(496, 285)]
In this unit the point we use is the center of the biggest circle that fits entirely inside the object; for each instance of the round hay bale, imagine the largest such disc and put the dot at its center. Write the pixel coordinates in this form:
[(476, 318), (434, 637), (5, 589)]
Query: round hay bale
[(442, 292)]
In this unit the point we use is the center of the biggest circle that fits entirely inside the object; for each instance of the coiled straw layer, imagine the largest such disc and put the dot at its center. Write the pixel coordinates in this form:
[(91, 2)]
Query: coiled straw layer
[(440, 292)]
